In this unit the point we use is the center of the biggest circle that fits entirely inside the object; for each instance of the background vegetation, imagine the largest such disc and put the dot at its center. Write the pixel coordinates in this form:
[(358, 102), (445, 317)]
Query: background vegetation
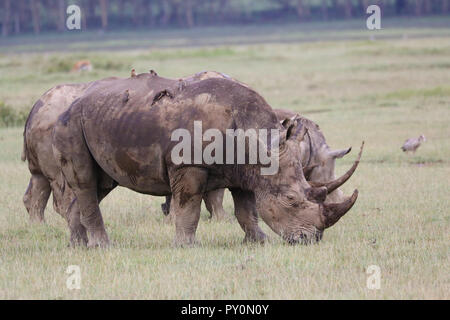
[(24, 16)]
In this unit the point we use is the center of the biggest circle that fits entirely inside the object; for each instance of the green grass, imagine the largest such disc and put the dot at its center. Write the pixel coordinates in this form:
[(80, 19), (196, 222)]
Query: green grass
[(400, 222)]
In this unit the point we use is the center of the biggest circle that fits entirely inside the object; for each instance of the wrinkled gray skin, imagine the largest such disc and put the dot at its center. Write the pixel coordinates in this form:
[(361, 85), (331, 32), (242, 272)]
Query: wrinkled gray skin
[(119, 133)]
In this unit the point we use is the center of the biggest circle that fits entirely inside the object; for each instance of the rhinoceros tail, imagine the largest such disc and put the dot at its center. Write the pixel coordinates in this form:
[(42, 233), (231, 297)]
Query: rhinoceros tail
[(24, 149)]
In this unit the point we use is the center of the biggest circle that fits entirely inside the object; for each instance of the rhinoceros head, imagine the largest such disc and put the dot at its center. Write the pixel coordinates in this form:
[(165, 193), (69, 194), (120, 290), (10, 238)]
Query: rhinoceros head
[(319, 160), (323, 169), (288, 203)]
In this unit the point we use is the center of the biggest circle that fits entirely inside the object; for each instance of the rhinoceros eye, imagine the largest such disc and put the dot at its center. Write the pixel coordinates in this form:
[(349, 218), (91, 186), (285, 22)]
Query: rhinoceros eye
[(292, 200)]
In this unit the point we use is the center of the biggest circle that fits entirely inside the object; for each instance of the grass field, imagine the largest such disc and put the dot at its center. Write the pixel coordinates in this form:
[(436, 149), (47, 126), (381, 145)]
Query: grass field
[(381, 91)]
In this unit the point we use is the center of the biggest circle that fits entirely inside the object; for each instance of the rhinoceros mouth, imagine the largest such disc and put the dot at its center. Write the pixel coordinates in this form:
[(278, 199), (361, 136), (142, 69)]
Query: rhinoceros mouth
[(304, 237)]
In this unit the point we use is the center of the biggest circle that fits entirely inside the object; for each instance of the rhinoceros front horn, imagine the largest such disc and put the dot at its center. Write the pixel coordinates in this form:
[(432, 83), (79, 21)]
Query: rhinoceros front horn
[(334, 211), (334, 184)]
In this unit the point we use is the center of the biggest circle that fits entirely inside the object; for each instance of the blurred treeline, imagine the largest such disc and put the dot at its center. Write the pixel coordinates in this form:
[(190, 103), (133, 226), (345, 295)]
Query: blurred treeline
[(35, 16)]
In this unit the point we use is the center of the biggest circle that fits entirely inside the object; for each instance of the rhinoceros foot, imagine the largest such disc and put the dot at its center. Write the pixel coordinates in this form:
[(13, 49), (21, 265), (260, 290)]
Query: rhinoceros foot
[(78, 238), (98, 239), (186, 242), (255, 237)]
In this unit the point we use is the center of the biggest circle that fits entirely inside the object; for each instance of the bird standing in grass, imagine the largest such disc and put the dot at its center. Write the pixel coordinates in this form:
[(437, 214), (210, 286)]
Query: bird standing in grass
[(412, 144), (133, 73)]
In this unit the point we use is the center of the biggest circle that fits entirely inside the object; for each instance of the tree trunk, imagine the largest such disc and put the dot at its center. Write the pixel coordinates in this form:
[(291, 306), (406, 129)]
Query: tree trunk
[(148, 9), (90, 9), (178, 12), (428, 7), (335, 8), (104, 13), (23, 19), (121, 7), (165, 9), (324, 9), (348, 8), (445, 5), (221, 11), (366, 4), (302, 10), (16, 23), (84, 13), (418, 8), (61, 15), (6, 17), (36, 15), (189, 13), (400, 7), (137, 9), (17, 13)]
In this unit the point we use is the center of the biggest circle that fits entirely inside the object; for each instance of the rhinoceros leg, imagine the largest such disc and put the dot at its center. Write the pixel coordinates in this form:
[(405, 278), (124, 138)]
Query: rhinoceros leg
[(64, 202), (165, 207), (245, 211), (63, 195), (36, 197), (82, 174), (91, 218), (78, 233), (187, 186), (214, 203)]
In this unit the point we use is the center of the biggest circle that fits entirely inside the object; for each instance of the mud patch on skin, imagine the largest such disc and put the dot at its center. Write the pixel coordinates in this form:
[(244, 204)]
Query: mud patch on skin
[(203, 99), (184, 199), (128, 165)]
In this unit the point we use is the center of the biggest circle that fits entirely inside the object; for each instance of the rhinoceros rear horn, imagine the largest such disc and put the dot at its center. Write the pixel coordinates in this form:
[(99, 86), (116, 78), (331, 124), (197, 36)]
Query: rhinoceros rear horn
[(334, 184), (337, 154), (334, 211), (317, 194)]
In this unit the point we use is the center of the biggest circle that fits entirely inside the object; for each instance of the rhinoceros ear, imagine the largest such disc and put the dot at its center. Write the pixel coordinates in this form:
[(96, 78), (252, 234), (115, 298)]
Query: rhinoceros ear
[(297, 131), (339, 153), (285, 123), (294, 130)]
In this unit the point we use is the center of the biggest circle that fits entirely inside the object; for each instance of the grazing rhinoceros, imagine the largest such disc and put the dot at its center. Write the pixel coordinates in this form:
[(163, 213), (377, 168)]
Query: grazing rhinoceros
[(46, 177), (122, 133), (317, 159)]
